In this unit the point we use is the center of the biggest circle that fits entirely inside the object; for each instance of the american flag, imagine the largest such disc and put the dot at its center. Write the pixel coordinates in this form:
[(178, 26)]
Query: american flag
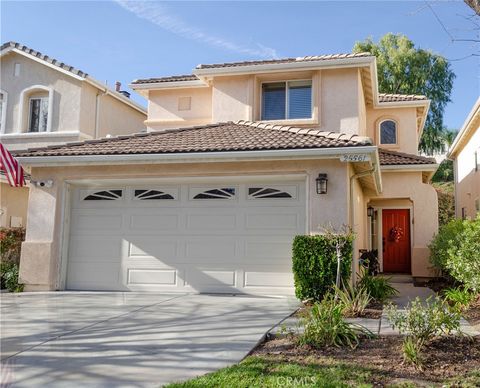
[(12, 169)]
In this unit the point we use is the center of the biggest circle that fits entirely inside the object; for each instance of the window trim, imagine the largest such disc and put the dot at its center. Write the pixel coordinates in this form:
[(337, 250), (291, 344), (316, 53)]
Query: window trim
[(307, 120), (3, 118), (29, 121), (379, 131), (25, 104)]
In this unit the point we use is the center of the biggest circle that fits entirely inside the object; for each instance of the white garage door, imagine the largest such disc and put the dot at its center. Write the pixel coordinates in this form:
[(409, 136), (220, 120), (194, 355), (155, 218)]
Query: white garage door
[(221, 237)]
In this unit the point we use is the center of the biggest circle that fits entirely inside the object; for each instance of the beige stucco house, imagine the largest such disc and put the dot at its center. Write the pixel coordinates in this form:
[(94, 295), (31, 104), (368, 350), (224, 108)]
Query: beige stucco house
[(465, 153), (238, 159), (45, 102)]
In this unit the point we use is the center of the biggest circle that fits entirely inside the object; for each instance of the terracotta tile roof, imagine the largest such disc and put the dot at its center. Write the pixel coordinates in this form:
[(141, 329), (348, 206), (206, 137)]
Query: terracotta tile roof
[(391, 158), (387, 97), (53, 61), (173, 78), (284, 60), (239, 136)]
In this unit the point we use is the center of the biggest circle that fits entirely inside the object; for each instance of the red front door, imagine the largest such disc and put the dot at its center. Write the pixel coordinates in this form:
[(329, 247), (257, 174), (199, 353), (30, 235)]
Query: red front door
[(396, 240)]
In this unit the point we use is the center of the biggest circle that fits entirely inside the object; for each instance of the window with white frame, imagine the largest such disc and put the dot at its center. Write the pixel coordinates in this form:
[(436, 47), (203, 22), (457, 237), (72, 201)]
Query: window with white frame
[(287, 100), (388, 132), (38, 114), (3, 111)]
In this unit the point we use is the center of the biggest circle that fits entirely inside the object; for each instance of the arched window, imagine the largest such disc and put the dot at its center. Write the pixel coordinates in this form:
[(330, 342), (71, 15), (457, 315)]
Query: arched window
[(388, 132), (36, 109)]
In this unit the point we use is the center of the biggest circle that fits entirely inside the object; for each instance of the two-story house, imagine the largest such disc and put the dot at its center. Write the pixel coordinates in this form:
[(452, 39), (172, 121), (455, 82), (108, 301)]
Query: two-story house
[(238, 159), (45, 102), (465, 153)]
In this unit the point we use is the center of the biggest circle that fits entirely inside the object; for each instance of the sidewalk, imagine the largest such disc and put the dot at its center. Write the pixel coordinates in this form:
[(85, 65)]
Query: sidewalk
[(380, 326)]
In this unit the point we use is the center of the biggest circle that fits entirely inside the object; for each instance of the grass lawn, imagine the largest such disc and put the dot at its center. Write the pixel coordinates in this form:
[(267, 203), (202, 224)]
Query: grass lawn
[(256, 371)]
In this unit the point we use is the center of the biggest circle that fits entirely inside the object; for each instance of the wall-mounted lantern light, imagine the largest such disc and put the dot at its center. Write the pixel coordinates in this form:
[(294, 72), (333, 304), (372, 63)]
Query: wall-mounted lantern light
[(322, 184), (370, 211)]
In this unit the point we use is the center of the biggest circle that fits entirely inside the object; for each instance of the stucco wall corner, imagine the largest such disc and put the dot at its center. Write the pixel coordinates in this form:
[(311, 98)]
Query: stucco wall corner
[(36, 266)]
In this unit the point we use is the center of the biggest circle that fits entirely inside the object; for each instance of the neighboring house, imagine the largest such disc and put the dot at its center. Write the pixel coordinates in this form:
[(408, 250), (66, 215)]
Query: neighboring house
[(465, 153), (45, 102), (259, 152)]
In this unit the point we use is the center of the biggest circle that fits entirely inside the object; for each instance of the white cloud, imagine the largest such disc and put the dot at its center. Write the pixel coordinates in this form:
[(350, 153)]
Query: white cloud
[(156, 13)]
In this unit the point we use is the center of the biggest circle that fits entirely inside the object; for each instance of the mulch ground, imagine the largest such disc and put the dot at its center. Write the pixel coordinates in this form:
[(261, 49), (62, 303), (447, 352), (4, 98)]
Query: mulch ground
[(472, 315), (445, 358)]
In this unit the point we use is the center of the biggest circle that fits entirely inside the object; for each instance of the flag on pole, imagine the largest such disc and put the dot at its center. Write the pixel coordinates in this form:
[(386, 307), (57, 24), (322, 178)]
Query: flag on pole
[(12, 169)]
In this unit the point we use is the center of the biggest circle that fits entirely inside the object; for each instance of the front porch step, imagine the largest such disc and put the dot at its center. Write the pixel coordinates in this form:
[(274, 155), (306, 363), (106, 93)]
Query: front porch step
[(398, 278)]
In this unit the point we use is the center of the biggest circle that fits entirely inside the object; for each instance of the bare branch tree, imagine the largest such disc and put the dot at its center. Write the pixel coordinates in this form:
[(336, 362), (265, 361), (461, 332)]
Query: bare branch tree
[(474, 4)]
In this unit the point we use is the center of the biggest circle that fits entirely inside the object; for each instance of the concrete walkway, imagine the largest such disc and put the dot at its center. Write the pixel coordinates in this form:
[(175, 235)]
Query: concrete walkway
[(114, 339), (381, 326)]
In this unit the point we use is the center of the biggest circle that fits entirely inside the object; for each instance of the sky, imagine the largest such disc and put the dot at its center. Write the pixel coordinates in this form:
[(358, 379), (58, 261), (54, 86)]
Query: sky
[(126, 40)]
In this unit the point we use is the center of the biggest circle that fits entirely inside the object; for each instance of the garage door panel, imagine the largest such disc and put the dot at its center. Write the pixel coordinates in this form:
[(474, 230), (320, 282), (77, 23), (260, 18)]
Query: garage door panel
[(94, 272), (86, 249), (146, 276), (200, 278), (210, 249), (153, 222), (99, 222), (269, 249), (211, 222), (271, 221), (151, 247), (241, 243), (268, 279)]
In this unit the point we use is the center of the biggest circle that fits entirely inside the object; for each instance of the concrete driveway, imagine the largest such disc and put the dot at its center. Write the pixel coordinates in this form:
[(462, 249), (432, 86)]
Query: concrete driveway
[(128, 339)]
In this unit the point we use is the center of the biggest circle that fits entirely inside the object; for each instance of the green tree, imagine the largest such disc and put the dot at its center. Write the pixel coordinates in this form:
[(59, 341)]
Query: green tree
[(405, 69)]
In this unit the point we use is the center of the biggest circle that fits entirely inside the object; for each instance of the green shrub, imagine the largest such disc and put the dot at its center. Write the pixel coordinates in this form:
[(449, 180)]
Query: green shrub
[(422, 322), (315, 264), (9, 277), (456, 251), (325, 326), (11, 243), (459, 298), (378, 287), (353, 299), (463, 262), (447, 236), (10, 246)]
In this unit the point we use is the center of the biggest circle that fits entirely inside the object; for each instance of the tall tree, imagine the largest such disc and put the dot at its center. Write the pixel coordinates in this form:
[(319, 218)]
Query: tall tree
[(474, 4), (405, 69)]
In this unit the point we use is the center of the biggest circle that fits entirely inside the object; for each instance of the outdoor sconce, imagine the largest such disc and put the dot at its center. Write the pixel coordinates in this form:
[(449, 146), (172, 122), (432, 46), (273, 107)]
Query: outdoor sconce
[(321, 184), (370, 211)]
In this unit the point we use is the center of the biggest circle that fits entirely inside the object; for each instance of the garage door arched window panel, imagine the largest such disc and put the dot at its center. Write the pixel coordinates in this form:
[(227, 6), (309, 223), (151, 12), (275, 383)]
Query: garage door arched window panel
[(146, 194), (214, 193), (270, 192), (104, 195)]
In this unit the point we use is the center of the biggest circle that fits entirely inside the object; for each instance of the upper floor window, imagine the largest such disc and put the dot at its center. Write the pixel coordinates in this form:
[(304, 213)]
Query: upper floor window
[(287, 100), (38, 114), (388, 132), (36, 107), (3, 110)]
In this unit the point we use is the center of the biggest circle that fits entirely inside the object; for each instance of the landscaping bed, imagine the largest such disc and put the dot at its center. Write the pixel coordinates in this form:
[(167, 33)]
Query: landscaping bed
[(446, 358), (280, 362)]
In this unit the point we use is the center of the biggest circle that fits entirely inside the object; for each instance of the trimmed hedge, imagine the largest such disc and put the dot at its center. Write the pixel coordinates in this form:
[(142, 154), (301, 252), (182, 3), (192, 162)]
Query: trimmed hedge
[(10, 246), (315, 264)]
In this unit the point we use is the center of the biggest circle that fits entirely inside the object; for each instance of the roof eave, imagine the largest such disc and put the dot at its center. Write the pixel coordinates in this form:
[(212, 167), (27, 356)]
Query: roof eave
[(280, 67), (168, 85), (464, 131), (189, 157)]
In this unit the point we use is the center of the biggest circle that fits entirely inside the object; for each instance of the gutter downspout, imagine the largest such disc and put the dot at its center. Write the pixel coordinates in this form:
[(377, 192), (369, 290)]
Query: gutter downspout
[(97, 112), (352, 213)]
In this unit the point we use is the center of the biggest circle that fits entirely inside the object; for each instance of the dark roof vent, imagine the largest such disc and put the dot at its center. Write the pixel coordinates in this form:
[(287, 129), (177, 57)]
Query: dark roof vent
[(125, 93)]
